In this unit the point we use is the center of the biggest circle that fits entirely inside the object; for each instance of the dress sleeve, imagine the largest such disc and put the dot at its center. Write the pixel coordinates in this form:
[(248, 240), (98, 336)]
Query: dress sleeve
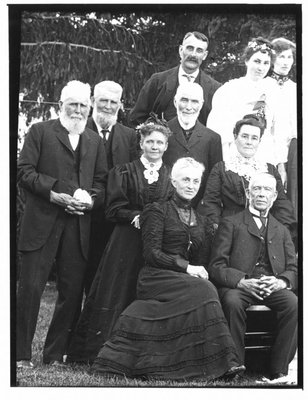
[(212, 200), (152, 227), (204, 253), (221, 118), (118, 204)]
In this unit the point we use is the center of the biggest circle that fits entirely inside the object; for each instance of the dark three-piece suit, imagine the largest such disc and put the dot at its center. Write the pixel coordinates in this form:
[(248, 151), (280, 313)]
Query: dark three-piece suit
[(48, 162), (235, 255)]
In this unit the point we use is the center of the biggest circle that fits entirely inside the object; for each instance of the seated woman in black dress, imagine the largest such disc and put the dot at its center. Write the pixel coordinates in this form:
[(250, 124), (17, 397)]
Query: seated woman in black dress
[(176, 328), (130, 187), (225, 192)]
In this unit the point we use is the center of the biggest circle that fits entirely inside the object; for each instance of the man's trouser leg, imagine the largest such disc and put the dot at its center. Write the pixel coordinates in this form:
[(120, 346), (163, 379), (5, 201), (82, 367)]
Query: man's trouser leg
[(35, 269), (71, 267), (284, 302), (234, 303)]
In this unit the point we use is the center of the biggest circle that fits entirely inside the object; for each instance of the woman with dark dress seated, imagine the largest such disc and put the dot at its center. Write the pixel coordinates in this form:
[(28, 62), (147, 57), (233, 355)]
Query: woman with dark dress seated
[(176, 328), (130, 187), (225, 192)]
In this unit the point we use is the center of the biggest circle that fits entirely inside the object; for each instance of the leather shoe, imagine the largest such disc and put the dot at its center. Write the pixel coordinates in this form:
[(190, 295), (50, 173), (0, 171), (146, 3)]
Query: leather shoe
[(57, 363), (279, 375), (24, 364), (233, 371)]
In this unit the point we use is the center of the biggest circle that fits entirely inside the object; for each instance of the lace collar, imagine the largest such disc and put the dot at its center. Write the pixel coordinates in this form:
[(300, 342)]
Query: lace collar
[(151, 169), (245, 167), (281, 79)]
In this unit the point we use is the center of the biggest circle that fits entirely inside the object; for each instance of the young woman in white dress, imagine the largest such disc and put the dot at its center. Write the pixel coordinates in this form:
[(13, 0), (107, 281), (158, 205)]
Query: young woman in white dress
[(246, 95)]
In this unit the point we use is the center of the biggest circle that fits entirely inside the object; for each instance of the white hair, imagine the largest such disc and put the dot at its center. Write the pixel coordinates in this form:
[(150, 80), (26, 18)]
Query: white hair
[(109, 86), (190, 87), (186, 162), (76, 89), (260, 175)]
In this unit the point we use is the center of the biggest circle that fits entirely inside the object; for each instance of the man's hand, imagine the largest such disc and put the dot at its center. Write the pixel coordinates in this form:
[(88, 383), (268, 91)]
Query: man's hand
[(252, 286), (61, 199), (272, 284), (69, 203), (198, 271), (78, 208)]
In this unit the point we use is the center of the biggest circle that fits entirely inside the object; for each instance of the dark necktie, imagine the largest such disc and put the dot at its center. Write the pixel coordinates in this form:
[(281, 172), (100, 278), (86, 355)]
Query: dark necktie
[(263, 221), (187, 134), (190, 78), (104, 133)]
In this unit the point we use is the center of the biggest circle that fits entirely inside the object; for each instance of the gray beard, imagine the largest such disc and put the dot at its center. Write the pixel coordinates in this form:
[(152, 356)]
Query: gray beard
[(75, 127), (104, 120)]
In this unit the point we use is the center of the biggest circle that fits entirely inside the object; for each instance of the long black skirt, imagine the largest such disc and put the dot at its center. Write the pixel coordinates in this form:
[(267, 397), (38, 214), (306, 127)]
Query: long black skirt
[(112, 290), (175, 330)]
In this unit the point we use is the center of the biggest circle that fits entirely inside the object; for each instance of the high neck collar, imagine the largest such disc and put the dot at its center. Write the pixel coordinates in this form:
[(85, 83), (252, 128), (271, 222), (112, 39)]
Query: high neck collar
[(281, 79), (257, 213), (180, 202), (150, 164)]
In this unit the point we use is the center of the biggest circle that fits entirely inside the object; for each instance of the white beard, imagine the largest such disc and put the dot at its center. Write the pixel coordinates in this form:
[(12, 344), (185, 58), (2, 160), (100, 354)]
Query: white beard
[(74, 126), (187, 122), (104, 120)]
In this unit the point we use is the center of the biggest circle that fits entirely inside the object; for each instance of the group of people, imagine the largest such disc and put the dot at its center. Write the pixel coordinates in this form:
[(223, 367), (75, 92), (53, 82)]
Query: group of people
[(160, 246)]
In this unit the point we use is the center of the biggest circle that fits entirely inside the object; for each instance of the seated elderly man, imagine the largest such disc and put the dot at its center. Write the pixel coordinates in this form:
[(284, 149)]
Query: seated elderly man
[(253, 261)]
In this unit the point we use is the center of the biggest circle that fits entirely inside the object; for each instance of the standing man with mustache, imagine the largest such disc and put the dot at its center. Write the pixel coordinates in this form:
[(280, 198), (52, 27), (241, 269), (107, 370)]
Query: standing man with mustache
[(63, 170), (121, 147), (190, 138), (158, 92)]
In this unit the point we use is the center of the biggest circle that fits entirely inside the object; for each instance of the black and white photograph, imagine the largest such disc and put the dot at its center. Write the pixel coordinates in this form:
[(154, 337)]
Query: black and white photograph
[(155, 211)]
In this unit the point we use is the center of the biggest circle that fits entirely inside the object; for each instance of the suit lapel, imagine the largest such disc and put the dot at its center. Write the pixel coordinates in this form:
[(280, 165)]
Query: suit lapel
[(172, 81), (251, 225), (272, 227), (92, 125), (178, 133), (196, 135), (62, 135), (84, 145)]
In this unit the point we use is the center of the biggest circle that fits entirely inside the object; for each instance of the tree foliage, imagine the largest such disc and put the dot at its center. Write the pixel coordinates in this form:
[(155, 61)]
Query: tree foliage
[(129, 46)]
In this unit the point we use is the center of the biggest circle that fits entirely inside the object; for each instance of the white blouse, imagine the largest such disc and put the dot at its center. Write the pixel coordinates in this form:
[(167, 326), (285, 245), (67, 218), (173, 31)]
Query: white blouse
[(285, 119), (235, 99)]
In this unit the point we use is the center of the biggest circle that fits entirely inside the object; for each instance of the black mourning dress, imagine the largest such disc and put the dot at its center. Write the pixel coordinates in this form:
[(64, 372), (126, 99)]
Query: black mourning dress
[(176, 328), (114, 285)]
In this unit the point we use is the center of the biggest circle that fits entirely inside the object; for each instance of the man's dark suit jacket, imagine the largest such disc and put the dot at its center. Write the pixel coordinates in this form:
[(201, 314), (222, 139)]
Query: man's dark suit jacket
[(236, 248), (124, 143), (204, 145), (158, 92), (46, 163)]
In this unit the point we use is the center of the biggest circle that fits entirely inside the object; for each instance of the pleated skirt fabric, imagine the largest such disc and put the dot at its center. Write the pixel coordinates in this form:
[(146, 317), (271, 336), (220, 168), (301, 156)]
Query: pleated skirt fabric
[(175, 330)]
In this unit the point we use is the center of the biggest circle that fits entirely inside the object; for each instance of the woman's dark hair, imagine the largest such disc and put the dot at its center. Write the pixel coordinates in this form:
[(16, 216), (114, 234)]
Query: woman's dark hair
[(250, 119), (153, 123), (282, 44), (258, 44)]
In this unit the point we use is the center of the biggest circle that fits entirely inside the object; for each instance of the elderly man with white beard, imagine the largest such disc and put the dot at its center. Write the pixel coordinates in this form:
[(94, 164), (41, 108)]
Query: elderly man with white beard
[(63, 170), (121, 147), (190, 138)]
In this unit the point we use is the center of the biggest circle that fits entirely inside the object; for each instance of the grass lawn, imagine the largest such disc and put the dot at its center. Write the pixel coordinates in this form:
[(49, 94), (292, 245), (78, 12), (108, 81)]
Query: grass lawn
[(44, 375)]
